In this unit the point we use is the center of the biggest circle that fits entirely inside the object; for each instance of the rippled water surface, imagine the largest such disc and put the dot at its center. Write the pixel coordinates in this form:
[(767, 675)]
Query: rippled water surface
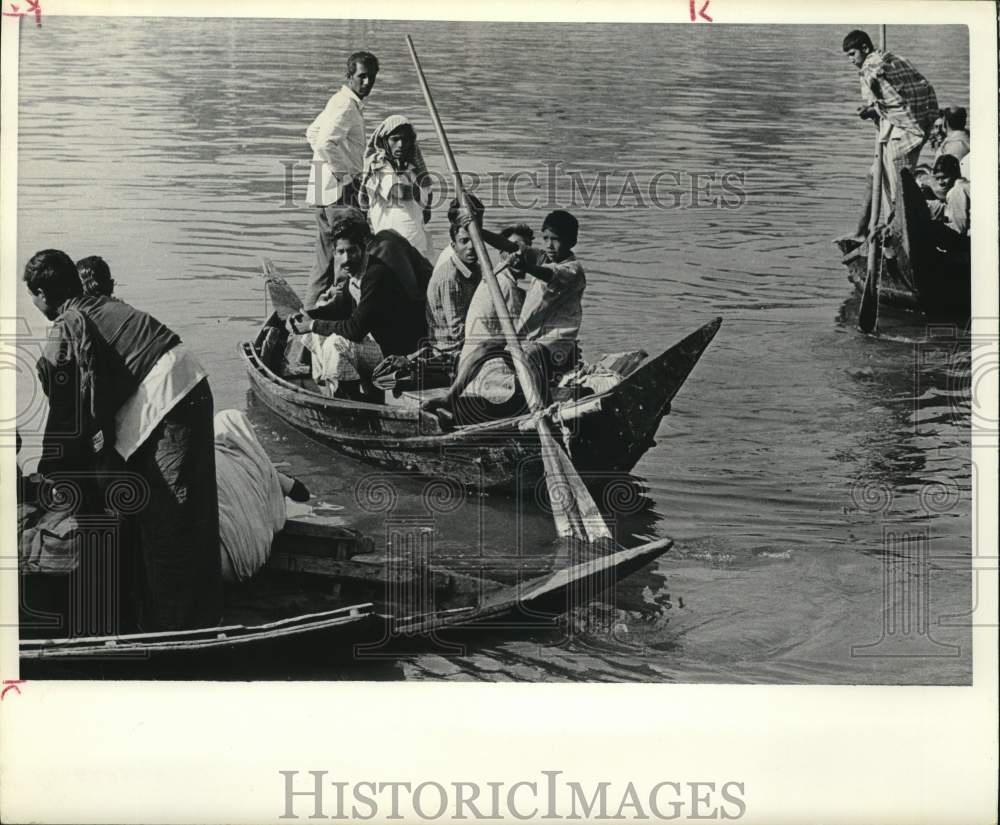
[(796, 452)]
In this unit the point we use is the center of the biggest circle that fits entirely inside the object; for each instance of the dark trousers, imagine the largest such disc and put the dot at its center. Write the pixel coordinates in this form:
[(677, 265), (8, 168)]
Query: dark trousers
[(324, 271), (176, 534)]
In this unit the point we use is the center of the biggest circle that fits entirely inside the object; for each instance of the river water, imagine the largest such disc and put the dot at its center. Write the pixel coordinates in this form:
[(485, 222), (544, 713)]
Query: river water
[(817, 482)]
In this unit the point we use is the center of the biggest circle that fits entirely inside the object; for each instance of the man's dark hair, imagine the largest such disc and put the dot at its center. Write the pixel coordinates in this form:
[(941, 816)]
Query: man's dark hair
[(54, 271), (367, 59), (521, 229), (948, 165), (955, 117), (858, 39), (564, 225), (478, 210), (352, 225), (454, 226), (95, 275)]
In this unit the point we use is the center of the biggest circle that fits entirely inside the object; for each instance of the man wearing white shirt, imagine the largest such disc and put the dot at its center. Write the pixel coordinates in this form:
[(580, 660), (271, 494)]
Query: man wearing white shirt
[(337, 138)]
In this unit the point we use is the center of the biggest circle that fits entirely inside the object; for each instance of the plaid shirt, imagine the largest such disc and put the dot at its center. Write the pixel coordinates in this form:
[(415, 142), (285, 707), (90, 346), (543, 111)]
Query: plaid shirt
[(902, 95), (449, 294)]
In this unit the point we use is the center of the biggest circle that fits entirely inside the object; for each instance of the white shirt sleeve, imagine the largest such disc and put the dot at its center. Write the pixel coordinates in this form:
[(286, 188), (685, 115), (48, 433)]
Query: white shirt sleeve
[(328, 137)]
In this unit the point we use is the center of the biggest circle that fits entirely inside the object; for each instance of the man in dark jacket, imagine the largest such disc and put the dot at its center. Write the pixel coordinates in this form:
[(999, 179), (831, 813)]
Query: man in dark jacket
[(124, 390), (377, 311)]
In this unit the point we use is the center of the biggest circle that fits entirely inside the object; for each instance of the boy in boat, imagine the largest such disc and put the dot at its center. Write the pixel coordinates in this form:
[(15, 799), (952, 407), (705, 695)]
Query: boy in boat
[(551, 314), (951, 229), (377, 311), (123, 388), (900, 101), (337, 139), (95, 275), (956, 136)]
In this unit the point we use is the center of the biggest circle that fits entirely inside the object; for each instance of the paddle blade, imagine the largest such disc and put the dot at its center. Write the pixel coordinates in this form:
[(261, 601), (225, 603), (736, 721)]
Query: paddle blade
[(574, 510), (283, 298), (868, 312)]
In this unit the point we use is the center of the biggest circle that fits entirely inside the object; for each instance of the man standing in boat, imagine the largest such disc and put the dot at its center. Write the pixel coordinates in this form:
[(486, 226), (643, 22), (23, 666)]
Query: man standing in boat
[(377, 310), (900, 101), (125, 394), (337, 138)]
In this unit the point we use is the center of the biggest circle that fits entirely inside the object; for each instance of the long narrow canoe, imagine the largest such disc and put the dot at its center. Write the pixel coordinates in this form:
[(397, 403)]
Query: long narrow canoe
[(607, 432), (915, 276), (294, 612)]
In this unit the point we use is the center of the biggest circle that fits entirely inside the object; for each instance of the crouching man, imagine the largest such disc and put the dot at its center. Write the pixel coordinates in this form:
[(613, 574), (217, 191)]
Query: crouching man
[(377, 310)]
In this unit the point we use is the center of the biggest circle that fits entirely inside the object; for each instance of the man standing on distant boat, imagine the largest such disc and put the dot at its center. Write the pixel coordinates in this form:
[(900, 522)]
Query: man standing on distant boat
[(900, 101), (337, 138)]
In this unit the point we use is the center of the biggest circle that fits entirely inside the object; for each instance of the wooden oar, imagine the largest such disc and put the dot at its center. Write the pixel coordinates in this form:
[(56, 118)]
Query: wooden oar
[(573, 508), (868, 311)]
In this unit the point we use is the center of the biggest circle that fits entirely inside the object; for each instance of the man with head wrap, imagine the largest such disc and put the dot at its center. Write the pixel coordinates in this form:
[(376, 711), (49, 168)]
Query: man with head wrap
[(395, 188)]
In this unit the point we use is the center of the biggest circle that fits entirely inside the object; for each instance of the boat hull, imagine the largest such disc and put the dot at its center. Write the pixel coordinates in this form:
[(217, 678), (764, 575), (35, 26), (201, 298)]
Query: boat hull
[(914, 275), (606, 433), (293, 618)]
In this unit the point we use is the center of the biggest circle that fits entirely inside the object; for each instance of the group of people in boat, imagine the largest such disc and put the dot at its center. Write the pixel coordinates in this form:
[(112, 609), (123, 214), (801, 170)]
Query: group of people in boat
[(130, 403), (904, 107), (375, 298), (130, 407)]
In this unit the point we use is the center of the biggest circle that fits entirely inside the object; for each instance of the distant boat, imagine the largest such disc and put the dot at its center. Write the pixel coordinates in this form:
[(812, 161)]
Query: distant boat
[(915, 276), (606, 432)]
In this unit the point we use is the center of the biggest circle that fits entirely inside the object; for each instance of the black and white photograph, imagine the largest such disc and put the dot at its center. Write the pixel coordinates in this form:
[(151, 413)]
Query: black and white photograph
[(365, 349)]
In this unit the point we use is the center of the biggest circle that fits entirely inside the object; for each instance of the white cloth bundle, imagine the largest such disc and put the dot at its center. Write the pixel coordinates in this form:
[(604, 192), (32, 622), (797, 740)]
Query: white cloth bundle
[(251, 504)]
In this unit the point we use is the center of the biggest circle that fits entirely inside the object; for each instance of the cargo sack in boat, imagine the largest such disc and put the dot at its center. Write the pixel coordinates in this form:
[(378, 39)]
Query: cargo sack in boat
[(46, 540), (602, 376), (251, 503)]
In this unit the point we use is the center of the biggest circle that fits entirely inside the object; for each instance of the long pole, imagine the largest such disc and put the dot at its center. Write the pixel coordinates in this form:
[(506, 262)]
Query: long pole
[(573, 508)]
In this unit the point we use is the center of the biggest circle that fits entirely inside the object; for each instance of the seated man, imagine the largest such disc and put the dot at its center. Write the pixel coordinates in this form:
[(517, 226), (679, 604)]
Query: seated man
[(481, 321), (951, 230), (551, 314), (956, 136), (378, 310), (449, 294)]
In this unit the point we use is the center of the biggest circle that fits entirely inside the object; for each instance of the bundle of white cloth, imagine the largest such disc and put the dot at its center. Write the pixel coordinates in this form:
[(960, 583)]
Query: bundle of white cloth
[(251, 502)]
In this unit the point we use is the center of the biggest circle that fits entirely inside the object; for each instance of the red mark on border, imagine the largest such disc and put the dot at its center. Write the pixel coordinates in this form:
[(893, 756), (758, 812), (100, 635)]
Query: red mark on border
[(33, 7), (701, 12), (11, 684)]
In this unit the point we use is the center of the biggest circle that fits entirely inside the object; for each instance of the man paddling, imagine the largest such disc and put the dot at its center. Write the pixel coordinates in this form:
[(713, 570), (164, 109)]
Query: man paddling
[(337, 138), (552, 311), (900, 101)]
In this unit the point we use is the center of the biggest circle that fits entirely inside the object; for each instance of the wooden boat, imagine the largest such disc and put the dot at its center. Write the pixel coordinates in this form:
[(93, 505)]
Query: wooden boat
[(297, 612), (915, 276), (606, 432)]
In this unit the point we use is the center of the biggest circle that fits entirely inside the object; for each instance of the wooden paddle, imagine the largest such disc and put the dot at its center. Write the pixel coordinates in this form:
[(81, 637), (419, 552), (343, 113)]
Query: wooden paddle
[(868, 311), (573, 508)]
